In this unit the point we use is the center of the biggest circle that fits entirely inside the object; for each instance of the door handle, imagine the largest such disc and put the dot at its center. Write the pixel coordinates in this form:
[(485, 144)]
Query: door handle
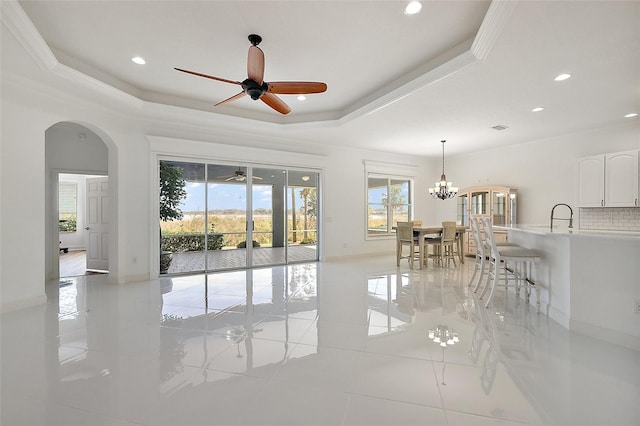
[(87, 228)]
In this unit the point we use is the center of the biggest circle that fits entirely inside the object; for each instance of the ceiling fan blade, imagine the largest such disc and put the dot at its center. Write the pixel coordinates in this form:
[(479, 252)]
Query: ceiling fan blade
[(276, 103), (209, 76), (255, 64), (233, 98), (296, 87)]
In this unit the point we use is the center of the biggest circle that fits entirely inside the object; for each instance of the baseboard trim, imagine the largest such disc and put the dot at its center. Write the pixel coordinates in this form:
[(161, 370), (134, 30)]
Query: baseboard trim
[(558, 316), (608, 335)]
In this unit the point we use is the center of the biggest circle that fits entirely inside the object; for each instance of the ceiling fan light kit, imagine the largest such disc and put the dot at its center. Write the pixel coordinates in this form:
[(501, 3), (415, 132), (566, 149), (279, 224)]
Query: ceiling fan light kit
[(255, 86), (238, 176)]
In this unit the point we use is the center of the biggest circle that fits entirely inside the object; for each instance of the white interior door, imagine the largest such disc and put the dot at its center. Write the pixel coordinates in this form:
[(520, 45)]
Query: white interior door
[(97, 223)]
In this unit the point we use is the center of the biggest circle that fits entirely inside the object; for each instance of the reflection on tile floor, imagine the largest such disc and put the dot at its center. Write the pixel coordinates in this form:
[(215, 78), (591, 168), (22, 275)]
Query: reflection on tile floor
[(332, 343), (218, 260)]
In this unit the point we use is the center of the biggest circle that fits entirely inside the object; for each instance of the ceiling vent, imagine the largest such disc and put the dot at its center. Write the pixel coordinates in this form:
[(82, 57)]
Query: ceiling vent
[(500, 127)]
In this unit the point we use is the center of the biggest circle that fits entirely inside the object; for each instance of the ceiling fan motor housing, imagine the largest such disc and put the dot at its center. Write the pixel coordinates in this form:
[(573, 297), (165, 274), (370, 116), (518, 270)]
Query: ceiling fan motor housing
[(254, 89)]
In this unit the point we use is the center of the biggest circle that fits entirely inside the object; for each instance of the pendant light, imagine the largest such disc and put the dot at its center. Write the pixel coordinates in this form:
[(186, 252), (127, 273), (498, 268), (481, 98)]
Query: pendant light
[(443, 189)]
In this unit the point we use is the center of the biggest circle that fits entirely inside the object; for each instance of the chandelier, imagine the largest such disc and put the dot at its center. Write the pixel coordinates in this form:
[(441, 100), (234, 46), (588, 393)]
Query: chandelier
[(444, 335), (443, 189)]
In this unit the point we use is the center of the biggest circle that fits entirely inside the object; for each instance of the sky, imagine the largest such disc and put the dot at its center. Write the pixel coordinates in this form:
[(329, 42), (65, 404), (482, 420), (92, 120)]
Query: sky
[(233, 196), (376, 194), (225, 196)]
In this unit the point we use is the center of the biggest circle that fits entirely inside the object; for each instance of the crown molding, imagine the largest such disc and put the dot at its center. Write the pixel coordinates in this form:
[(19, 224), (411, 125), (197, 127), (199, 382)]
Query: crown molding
[(19, 24), (433, 71), (17, 21), (492, 25), (74, 75), (457, 58)]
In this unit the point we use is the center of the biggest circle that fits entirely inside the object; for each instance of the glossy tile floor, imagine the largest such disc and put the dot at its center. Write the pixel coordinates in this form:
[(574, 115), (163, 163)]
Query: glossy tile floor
[(331, 343)]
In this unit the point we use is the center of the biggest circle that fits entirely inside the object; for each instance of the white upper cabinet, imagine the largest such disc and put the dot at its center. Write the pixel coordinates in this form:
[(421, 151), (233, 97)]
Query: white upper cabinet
[(591, 181), (621, 179), (609, 180)]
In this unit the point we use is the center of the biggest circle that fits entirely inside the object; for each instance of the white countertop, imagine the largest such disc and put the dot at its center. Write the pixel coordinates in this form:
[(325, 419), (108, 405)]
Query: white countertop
[(563, 230)]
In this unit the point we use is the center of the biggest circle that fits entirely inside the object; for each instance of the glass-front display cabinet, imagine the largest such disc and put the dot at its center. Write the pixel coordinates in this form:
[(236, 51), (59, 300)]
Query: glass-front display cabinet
[(462, 211), (480, 202), (496, 202)]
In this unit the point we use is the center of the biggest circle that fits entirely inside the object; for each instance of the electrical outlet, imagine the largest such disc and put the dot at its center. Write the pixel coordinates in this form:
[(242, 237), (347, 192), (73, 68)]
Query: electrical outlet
[(636, 306)]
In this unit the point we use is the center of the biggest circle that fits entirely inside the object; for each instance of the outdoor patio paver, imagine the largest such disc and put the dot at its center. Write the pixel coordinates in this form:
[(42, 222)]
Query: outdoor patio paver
[(232, 259)]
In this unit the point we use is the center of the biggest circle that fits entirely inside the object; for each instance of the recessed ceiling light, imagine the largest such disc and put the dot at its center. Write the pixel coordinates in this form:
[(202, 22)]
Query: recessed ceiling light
[(632, 114), (537, 109), (413, 8), (138, 60), (562, 77), (302, 98)]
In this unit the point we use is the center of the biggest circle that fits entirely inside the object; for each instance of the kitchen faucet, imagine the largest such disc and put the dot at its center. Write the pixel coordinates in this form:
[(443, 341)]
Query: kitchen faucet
[(570, 219)]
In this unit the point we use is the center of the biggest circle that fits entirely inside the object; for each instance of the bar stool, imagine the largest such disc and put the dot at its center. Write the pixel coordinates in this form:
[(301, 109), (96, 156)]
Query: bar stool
[(482, 252), (513, 261)]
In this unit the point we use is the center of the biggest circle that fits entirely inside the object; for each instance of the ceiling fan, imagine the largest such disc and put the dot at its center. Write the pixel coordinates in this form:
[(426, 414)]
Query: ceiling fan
[(238, 176), (257, 88)]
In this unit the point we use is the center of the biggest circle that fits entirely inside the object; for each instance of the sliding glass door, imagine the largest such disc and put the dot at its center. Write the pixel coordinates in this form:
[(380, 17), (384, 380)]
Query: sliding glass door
[(233, 217), (227, 213), (302, 216), (182, 217), (268, 217)]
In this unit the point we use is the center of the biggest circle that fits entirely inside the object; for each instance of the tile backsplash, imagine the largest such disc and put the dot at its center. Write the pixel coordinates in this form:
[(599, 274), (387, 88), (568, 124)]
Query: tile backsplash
[(610, 219)]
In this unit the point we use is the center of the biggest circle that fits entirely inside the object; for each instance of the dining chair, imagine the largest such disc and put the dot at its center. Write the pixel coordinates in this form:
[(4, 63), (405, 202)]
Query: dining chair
[(416, 223), (406, 238), (444, 245)]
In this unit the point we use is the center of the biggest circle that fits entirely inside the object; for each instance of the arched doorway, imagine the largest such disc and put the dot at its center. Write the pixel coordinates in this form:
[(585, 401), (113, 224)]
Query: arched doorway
[(84, 151)]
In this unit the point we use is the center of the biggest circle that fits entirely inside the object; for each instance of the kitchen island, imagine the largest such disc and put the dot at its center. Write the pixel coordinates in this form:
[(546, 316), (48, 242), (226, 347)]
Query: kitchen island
[(589, 280)]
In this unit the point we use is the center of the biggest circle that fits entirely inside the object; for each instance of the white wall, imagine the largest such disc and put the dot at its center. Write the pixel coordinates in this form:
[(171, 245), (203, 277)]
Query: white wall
[(73, 148), (29, 109), (544, 171), (22, 176)]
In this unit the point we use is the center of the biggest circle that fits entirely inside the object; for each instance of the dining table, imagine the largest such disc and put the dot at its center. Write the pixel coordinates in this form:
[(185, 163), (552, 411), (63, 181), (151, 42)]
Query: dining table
[(422, 231)]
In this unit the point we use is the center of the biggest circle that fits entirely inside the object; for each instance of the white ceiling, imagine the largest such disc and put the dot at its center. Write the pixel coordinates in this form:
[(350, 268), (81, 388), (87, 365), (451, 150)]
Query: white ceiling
[(395, 83)]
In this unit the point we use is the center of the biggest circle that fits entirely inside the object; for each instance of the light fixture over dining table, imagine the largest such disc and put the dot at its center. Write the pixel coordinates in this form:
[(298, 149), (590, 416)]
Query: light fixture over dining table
[(443, 189)]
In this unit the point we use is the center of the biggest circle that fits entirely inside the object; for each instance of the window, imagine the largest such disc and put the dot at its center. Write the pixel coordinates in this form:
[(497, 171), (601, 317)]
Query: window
[(67, 206), (389, 200)]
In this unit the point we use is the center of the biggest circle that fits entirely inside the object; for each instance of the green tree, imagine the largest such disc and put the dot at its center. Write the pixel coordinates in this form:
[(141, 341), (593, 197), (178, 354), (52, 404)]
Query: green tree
[(172, 191), (309, 208), (310, 201), (394, 198)]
